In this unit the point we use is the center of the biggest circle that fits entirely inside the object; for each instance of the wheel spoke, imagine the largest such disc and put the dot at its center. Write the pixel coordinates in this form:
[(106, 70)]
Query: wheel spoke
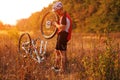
[(24, 43), (48, 30)]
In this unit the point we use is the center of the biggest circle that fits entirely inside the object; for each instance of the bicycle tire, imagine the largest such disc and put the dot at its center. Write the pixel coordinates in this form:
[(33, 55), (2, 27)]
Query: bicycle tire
[(20, 42), (48, 30)]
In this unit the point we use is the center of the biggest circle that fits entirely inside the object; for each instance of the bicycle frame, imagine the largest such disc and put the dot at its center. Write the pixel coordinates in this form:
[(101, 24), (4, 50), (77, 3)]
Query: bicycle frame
[(39, 53)]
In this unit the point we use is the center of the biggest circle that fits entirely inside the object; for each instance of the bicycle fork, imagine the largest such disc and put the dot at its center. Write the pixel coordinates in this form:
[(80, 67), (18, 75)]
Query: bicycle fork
[(41, 52), (43, 47)]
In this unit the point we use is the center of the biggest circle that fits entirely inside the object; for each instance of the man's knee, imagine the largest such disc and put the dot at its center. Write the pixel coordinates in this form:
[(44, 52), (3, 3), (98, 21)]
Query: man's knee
[(57, 52), (63, 55)]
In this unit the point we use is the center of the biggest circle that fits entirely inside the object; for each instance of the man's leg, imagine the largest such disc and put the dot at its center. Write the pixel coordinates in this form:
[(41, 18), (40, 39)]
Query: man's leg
[(63, 60), (57, 58)]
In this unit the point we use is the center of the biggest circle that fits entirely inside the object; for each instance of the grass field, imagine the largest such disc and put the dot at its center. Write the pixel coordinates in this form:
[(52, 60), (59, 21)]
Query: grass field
[(90, 57)]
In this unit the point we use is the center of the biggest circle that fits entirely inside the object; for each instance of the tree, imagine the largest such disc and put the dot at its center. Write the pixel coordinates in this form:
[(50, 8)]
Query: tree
[(1, 25)]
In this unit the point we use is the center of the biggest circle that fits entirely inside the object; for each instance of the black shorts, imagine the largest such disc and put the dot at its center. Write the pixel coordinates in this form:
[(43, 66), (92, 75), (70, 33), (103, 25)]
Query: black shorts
[(62, 41)]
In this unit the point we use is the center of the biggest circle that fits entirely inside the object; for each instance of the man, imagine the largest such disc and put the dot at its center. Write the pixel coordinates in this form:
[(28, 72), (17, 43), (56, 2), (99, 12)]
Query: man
[(64, 34)]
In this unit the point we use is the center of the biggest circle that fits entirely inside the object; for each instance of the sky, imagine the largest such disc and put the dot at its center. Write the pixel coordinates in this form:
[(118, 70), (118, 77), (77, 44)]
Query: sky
[(13, 10)]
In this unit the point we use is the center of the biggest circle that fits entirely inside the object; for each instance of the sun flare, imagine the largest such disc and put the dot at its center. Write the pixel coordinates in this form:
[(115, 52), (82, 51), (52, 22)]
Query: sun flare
[(13, 10)]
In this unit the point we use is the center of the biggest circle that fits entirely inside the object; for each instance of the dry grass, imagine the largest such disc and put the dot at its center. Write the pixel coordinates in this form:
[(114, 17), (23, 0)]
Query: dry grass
[(84, 56)]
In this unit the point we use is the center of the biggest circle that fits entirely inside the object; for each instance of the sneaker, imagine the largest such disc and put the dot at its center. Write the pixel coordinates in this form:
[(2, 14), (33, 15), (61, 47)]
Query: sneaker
[(25, 56), (56, 69)]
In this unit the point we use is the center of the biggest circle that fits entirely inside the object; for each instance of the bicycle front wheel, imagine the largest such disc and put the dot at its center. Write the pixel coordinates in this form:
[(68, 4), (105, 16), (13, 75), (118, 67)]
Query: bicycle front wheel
[(24, 45), (49, 30)]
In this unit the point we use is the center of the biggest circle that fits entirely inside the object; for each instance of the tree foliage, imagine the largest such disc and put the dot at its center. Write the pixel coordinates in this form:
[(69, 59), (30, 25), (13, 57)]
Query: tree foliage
[(87, 15)]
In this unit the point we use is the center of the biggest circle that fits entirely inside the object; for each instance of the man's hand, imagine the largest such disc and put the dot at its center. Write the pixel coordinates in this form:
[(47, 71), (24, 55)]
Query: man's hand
[(54, 23)]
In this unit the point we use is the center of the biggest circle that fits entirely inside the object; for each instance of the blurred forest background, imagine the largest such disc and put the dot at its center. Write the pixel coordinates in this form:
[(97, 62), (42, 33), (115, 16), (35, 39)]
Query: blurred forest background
[(92, 54), (94, 16)]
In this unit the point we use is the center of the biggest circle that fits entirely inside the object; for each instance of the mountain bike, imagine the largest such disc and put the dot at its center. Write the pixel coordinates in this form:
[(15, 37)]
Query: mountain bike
[(48, 28), (35, 48)]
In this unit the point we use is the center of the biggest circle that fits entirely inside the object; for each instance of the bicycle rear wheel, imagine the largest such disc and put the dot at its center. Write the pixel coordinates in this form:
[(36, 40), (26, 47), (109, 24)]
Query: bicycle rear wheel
[(24, 45), (49, 30)]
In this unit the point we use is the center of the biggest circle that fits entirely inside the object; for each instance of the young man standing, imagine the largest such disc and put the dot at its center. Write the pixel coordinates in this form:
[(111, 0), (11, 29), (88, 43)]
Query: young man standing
[(64, 26)]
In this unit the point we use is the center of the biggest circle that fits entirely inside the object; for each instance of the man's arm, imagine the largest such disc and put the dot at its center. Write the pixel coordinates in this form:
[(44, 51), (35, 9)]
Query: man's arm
[(60, 27)]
